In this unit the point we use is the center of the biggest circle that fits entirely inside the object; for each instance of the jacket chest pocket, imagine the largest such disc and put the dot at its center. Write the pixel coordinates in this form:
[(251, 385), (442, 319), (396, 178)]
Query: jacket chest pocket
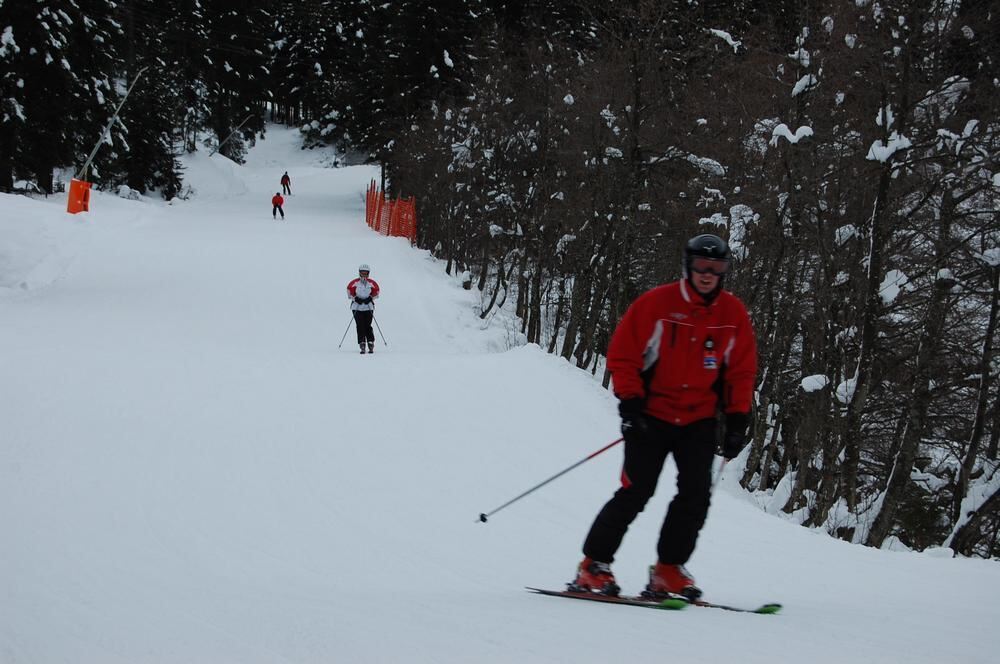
[(698, 354), (682, 351)]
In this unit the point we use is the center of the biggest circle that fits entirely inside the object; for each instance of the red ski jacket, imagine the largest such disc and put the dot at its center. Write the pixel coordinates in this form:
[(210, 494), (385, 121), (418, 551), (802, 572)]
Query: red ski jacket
[(277, 200), (681, 354), (363, 288)]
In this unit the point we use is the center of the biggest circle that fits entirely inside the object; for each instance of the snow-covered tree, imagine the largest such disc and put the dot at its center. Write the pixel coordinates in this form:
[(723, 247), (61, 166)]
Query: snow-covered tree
[(48, 53)]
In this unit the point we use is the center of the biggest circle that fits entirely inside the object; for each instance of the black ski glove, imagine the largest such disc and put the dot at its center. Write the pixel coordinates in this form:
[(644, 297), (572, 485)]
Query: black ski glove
[(634, 423), (736, 434), (359, 300)]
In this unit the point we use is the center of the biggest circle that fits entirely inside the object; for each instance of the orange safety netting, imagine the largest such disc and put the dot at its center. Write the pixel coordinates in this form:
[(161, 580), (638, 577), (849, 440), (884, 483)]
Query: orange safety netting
[(395, 218)]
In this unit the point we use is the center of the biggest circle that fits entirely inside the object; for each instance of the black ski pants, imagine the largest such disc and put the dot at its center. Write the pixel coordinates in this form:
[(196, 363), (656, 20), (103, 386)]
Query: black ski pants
[(363, 321), (275, 210), (693, 447)]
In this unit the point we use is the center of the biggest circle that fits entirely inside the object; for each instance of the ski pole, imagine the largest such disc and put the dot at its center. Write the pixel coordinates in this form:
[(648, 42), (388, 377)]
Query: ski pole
[(484, 516), (718, 475), (345, 332), (379, 330)]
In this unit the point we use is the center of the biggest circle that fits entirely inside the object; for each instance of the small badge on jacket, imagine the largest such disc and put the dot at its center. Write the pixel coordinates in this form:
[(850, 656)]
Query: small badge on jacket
[(711, 363)]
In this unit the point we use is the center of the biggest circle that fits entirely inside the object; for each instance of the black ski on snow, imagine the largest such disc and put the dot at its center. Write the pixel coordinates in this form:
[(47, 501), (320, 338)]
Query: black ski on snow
[(673, 602)]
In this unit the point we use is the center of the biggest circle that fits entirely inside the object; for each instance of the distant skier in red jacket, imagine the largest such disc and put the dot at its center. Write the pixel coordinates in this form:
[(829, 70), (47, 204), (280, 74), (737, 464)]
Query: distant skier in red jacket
[(286, 184), (276, 202), (362, 292), (683, 352)]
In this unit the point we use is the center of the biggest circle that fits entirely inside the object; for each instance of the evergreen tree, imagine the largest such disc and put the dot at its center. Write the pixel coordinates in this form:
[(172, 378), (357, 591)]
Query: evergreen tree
[(96, 37), (56, 86), (237, 75), (14, 65), (386, 61), (152, 114), (184, 31), (305, 45)]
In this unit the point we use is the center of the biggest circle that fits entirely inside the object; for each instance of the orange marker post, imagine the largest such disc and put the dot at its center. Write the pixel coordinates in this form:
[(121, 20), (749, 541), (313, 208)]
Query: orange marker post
[(79, 196)]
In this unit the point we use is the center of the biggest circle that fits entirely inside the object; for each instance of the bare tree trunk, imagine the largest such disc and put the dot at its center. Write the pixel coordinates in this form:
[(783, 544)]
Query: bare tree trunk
[(560, 307), (496, 290), (773, 386), (587, 338), (484, 267), (985, 360), (991, 453), (505, 282), (535, 307), (765, 470), (8, 140), (869, 335), (968, 535), (585, 297), (523, 288), (774, 332), (826, 492), (578, 311), (920, 397), (829, 472), (805, 446)]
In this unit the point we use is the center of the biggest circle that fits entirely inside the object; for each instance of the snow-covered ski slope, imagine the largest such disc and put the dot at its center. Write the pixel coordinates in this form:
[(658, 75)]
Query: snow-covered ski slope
[(192, 471)]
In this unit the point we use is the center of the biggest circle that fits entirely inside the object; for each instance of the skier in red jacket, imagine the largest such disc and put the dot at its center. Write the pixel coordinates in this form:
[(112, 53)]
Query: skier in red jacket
[(276, 202), (363, 292), (682, 353), (286, 184)]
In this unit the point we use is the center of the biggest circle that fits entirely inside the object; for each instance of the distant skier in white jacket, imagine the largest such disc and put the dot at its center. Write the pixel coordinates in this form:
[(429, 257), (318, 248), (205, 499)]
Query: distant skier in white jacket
[(362, 292)]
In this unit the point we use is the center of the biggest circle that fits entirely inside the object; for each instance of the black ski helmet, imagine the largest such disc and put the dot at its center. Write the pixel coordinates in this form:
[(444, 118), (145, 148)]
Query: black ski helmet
[(707, 246)]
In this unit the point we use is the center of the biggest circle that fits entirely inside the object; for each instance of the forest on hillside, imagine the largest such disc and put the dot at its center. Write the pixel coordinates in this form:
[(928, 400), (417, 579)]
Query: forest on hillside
[(560, 153)]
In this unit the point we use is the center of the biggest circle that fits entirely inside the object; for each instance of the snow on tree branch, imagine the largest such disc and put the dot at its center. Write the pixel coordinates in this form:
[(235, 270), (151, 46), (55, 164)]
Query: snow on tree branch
[(726, 37), (805, 84), (782, 130), (883, 151)]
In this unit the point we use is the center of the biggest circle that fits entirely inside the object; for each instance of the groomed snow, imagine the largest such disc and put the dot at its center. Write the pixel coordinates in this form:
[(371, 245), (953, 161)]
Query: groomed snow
[(192, 471)]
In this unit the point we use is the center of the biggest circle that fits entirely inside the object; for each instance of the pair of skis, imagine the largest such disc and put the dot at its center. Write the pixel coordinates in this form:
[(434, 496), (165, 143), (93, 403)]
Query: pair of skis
[(673, 602)]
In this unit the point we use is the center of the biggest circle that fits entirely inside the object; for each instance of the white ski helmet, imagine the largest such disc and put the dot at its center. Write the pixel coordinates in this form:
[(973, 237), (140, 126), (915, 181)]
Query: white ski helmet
[(364, 268)]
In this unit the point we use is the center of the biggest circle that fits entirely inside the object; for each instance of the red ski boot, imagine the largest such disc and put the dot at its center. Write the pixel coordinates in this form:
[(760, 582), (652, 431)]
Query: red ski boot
[(671, 580), (593, 576)]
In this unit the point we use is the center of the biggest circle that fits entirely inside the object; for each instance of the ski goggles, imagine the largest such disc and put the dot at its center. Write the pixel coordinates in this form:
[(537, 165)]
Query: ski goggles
[(715, 266)]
